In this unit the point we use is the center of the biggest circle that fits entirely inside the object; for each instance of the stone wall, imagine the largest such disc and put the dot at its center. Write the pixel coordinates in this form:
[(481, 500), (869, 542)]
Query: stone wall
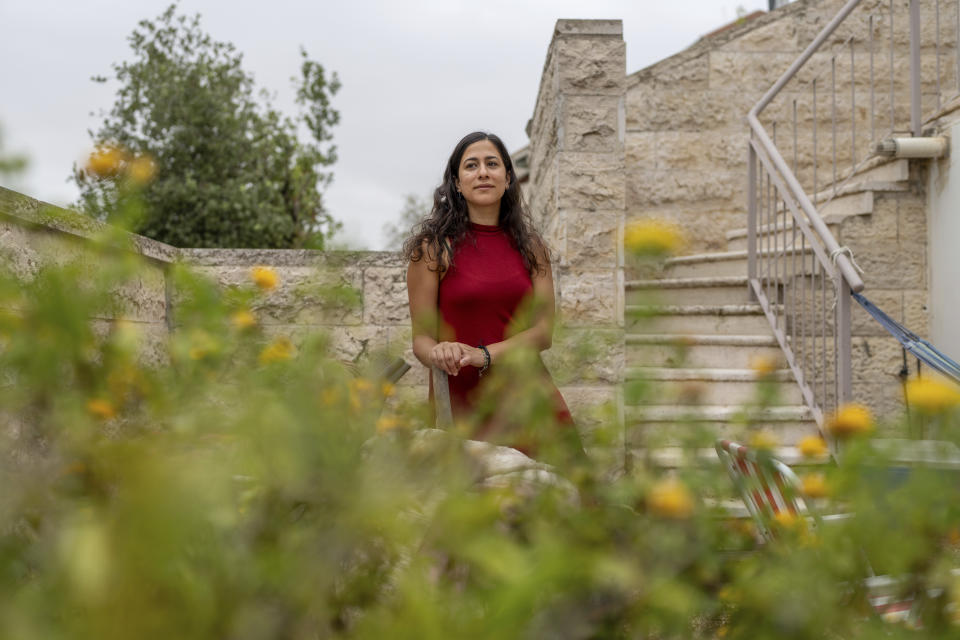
[(359, 298), (33, 234), (686, 136), (577, 192)]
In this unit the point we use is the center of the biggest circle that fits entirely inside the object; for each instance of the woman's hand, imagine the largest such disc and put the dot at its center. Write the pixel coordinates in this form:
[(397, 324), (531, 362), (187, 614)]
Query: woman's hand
[(452, 356)]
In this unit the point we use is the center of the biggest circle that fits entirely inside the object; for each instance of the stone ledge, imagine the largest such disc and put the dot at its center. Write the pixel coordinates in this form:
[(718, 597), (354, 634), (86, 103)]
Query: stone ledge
[(34, 213), (589, 28), (291, 258)]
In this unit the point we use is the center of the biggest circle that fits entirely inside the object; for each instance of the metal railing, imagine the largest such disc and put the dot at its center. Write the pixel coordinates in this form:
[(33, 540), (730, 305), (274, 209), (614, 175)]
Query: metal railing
[(848, 87)]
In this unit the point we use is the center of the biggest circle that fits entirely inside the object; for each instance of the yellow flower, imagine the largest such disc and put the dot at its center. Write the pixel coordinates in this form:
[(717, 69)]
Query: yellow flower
[(815, 485), (932, 395), (359, 389), (101, 408), (361, 385), (786, 520), (653, 238), (670, 499), (202, 344), (105, 161), (388, 389), (813, 447), (763, 366), (243, 319), (265, 278), (763, 440), (849, 420), (142, 169), (330, 397), (388, 422), (280, 350)]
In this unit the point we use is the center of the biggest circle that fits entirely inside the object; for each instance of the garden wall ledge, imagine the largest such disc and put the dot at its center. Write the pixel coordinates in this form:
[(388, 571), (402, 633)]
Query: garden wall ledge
[(33, 213)]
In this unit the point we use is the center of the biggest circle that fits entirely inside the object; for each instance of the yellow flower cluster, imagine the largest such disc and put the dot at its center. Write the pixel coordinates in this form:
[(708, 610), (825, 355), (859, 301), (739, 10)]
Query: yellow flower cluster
[(763, 366), (813, 447), (850, 420), (265, 278), (932, 395), (650, 237), (108, 161), (763, 440), (388, 422), (280, 350), (360, 390), (100, 408), (670, 499), (243, 320), (815, 485)]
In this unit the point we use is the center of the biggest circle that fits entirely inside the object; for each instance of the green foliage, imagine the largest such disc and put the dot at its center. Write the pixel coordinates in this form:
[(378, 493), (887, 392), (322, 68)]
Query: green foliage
[(222, 481), (229, 171), (414, 210)]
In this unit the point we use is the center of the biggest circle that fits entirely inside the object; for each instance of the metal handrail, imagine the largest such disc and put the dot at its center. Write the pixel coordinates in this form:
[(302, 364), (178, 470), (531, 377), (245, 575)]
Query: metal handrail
[(843, 262), (802, 319)]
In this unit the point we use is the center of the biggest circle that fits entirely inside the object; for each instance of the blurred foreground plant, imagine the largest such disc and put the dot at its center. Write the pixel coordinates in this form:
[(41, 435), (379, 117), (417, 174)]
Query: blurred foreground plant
[(222, 481)]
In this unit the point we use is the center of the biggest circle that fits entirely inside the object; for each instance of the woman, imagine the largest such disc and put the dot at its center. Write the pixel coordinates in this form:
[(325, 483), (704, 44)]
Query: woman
[(481, 288)]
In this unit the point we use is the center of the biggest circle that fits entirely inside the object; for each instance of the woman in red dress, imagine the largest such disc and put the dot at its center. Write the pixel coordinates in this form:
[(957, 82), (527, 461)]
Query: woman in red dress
[(481, 289)]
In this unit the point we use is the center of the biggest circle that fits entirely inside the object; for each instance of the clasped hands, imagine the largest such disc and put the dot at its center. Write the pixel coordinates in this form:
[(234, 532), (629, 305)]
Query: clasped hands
[(453, 356)]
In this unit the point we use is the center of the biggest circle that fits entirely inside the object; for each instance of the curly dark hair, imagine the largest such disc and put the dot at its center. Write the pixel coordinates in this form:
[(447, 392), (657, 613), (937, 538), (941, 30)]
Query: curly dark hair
[(449, 223)]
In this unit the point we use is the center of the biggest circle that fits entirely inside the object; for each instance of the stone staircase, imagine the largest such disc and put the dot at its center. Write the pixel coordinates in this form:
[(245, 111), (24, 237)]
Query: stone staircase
[(695, 339)]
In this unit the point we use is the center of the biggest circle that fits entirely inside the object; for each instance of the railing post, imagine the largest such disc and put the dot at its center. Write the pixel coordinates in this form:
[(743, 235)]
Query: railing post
[(751, 218), (915, 105), (844, 351)]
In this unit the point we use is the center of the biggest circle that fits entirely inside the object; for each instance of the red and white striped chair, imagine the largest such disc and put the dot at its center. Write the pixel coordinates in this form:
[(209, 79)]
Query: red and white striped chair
[(769, 487)]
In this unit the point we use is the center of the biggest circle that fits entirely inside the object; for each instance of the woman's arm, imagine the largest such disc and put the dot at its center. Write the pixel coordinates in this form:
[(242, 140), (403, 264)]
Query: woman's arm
[(423, 282)]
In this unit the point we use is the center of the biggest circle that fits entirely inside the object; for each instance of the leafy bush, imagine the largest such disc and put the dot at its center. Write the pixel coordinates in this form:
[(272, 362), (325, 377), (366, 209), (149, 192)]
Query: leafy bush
[(229, 171), (243, 485)]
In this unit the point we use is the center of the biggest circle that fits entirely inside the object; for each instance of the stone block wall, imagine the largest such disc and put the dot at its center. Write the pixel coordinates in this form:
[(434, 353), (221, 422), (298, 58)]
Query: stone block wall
[(686, 138), (577, 192), (33, 234)]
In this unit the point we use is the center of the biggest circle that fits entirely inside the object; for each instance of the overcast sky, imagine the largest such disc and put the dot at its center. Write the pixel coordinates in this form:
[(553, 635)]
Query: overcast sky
[(416, 76)]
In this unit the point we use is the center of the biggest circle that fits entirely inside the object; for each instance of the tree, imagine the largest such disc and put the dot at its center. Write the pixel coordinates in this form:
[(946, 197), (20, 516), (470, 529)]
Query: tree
[(227, 169), (414, 210)]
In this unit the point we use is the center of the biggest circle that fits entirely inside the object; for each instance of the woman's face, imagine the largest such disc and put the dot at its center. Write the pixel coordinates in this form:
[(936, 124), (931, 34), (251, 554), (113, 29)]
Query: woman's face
[(482, 178)]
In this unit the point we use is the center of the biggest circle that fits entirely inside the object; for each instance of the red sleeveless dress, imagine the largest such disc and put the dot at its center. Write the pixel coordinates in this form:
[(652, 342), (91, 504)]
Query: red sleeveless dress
[(477, 299)]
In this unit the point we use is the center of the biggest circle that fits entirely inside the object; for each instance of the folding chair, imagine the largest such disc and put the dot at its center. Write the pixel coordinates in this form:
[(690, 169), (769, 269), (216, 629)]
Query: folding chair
[(769, 487)]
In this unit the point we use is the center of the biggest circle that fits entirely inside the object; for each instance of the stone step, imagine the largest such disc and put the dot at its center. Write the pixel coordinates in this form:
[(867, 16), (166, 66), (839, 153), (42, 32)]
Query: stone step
[(739, 319), (780, 234), (658, 426), (713, 387), (688, 291), (720, 264), (701, 351), (879, 174)]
